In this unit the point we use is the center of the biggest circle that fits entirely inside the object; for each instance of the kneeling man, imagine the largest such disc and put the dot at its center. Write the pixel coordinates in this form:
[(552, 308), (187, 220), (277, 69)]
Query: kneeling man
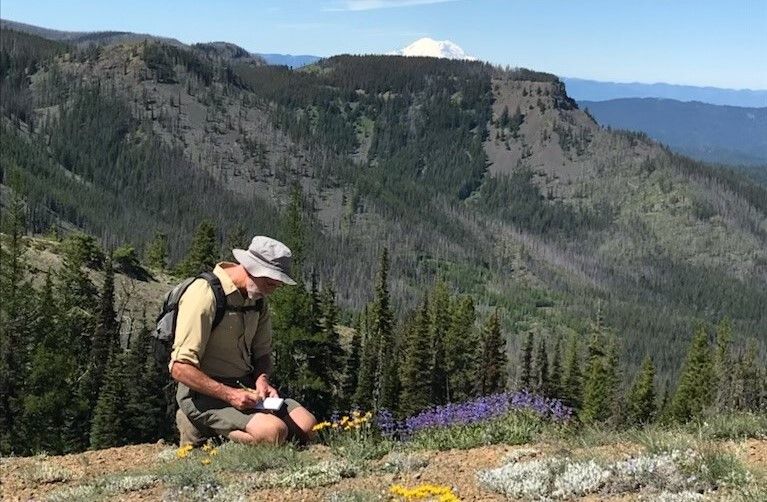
[(212, 366)]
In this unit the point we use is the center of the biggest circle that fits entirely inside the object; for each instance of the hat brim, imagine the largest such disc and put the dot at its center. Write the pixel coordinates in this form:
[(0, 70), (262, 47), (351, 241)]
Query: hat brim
[(258, 268)]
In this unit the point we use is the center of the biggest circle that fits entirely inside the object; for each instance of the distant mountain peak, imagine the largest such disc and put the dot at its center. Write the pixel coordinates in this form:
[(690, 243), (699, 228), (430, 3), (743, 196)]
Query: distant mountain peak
[(435, 48)]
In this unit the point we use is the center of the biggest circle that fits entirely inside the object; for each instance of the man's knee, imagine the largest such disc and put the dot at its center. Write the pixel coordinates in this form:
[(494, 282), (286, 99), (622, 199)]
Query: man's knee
[(304, 419), (188, 433), (267, 429)]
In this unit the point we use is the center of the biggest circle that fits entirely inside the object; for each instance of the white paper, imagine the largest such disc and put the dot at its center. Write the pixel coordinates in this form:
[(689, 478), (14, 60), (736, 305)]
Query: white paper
[(271, 403)]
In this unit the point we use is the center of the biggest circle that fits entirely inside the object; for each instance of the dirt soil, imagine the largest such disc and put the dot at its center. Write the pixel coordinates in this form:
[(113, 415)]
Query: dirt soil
[(454, 468)]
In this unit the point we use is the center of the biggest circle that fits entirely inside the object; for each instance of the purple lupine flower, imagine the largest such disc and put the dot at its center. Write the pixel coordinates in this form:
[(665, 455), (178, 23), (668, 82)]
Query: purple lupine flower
[(485, 408), (386, 424)]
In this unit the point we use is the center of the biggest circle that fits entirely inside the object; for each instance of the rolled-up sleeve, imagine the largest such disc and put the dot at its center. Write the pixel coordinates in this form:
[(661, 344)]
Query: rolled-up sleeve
[(262, 342), (195, 317)]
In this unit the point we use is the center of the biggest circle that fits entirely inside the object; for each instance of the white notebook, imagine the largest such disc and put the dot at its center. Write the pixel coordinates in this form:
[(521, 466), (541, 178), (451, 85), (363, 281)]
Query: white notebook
[(271, 403)]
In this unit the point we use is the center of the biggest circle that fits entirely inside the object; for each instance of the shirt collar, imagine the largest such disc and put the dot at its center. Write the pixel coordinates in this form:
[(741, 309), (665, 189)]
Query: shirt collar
[(226, 282)]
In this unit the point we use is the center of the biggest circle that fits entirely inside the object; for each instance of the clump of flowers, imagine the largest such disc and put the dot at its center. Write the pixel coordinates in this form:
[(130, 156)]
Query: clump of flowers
[(348, 422), (405, 462), (184, 451), (425, 491), (473, 411), (208, 449), (321, 474), (50, 473), (677, 474)]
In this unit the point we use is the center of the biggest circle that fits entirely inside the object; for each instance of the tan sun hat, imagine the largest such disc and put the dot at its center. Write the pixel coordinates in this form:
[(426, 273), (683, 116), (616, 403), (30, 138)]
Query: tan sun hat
[(266, 257)]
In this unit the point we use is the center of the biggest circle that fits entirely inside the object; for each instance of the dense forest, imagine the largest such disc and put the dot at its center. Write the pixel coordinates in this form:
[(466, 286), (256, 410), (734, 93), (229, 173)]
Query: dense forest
[(516, 231)]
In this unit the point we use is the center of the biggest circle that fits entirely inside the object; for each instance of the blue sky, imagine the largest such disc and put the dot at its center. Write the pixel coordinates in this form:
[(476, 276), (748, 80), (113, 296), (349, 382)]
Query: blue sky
[(701, 42)]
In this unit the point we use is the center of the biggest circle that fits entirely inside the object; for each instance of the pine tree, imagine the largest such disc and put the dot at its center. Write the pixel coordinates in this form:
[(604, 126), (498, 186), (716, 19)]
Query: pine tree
[(144, 406), (366, 383), (416, 381), (641, 399), (352, 367), (203, 253), (14, 322), (462, 347), (156, 254), (235, 239), (440, 324), (572, 386), (105, 337), (541, 374), (109, 427), (746, 380), (723, 365), (52, 368), (599, 380), (324, 355), (492, 366), (526, 364), (387, 384), (293, 229), (556, 376), (694, 391)]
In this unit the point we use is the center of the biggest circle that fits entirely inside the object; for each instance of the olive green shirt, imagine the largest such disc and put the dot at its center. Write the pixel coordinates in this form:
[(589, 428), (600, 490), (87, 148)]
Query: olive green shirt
[(237, 342)]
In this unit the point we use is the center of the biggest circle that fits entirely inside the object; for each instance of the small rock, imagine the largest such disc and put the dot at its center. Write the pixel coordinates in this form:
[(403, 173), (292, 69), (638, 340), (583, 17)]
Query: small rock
[(160, 441)]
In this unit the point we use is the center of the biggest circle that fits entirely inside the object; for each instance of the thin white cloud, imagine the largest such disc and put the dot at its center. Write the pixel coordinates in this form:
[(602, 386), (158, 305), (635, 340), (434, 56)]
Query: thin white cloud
[(360, 5)]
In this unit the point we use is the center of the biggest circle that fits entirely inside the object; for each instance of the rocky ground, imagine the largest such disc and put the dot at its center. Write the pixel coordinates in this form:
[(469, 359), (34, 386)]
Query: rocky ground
[(37, 478)]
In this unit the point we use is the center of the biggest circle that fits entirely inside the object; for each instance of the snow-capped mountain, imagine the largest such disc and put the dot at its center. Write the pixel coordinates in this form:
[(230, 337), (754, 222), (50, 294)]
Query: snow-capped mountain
[(435, 48)]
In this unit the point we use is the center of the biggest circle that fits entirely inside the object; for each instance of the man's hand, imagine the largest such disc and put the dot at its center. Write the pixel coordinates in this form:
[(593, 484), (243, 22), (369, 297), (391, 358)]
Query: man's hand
[(263, 386), (245, 399)]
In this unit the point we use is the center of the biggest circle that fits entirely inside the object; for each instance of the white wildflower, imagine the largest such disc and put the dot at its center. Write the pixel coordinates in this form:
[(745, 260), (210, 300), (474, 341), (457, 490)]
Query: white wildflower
[(580, 478)]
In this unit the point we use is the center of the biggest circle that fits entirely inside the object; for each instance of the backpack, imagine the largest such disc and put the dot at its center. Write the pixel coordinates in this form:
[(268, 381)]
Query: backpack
[(165, 331)]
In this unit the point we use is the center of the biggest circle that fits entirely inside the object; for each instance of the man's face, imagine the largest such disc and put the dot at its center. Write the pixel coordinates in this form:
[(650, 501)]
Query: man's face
[(264, 286)]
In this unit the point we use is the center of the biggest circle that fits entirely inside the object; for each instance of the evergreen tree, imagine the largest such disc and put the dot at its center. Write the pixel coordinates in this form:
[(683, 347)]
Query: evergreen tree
[(462, 346), (109, 427), (492, 365), (747, 386), (105, 338), (203, 253), (526, 364), (723, 365), (352, 366), (14, 321), (440, 324), (156, 254), (694, 392), (572, 387), (366, 383), (641, 399), (386, 387), (599, 381), (143, 400), (47, 384), (556, 376), (235, 238), (293, 228), (416, 381), (541, 374)]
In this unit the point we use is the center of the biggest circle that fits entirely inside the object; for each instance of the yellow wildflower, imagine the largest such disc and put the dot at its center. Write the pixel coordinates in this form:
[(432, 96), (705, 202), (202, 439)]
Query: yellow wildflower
[(442, 493), (184, 451), (205, 461)]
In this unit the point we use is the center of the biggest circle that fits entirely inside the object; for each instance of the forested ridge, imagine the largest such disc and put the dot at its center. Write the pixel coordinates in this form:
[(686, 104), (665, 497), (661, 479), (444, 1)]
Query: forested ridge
[(491, 197)]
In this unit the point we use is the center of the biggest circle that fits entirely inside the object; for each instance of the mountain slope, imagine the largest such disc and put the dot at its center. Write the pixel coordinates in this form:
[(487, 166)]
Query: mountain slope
[(724, 134), (492, 180)]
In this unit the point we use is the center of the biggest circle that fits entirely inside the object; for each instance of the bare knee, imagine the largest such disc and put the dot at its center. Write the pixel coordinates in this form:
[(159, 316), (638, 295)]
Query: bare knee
[(265, 428), (305, 421)]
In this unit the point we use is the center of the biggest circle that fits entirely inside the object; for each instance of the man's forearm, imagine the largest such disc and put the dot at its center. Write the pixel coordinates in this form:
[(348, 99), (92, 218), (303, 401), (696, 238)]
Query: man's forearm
[(198, 381)]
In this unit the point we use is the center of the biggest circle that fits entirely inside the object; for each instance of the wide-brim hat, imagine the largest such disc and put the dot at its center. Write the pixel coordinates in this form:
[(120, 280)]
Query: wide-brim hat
[(266, 257)]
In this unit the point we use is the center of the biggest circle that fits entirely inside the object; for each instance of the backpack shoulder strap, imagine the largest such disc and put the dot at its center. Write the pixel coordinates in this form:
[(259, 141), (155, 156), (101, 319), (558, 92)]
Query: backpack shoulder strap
[(218, 293)]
